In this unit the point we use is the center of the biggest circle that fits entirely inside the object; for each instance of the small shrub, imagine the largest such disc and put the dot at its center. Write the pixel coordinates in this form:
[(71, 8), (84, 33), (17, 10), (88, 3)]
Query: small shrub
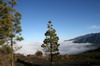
[(6, 49), (39, 53)]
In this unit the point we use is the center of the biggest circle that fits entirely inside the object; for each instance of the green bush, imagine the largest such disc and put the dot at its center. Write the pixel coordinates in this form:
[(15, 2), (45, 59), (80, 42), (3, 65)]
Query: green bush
[(39, 53), (6, 49)]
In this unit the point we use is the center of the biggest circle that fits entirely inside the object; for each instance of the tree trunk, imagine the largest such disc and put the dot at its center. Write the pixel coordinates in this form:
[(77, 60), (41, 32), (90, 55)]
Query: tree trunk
[(51, 52), (12, 52)]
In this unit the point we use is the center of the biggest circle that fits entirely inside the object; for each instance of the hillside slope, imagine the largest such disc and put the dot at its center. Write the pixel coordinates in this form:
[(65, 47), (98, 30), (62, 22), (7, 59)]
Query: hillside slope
[(93, 38)]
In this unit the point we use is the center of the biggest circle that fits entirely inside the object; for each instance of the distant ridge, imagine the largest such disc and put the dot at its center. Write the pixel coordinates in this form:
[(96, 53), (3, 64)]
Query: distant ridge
[(93, 38)]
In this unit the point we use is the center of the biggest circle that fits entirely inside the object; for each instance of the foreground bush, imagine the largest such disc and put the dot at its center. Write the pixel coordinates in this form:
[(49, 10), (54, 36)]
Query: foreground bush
[(6, 49), (39, 53)]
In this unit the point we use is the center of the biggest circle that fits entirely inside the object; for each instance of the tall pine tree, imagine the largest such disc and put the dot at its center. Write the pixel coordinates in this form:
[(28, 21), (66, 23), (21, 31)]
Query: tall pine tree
[(50, 44), (3, 21), (9, 24), (15, 28)]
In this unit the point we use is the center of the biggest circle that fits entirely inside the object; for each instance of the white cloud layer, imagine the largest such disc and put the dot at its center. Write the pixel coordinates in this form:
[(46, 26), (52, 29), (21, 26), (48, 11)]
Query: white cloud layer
[(67, 47), (70, 48), (94, 27)]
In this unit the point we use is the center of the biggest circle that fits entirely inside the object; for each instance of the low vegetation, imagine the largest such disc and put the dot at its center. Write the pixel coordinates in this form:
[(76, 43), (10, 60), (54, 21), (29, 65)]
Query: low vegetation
[(91, 58)]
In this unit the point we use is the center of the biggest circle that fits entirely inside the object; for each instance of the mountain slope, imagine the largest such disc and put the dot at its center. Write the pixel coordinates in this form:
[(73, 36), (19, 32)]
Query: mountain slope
[(93, 38)]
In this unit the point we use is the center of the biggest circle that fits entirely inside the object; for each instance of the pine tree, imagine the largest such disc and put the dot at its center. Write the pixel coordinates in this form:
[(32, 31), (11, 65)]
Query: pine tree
[(16, 28), (5, 23), (3, 13), (9, 24), (50, 44)]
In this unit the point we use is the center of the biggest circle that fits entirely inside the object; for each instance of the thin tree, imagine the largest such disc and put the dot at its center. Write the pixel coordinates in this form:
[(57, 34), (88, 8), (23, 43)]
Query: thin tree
[(50, 44)]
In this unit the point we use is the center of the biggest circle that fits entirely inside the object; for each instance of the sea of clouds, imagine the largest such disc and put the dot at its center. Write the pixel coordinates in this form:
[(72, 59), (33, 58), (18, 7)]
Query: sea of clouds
[(66, 47)]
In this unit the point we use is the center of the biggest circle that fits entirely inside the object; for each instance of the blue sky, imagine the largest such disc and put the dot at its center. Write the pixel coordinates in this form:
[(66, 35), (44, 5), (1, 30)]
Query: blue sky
[(71, 18)]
